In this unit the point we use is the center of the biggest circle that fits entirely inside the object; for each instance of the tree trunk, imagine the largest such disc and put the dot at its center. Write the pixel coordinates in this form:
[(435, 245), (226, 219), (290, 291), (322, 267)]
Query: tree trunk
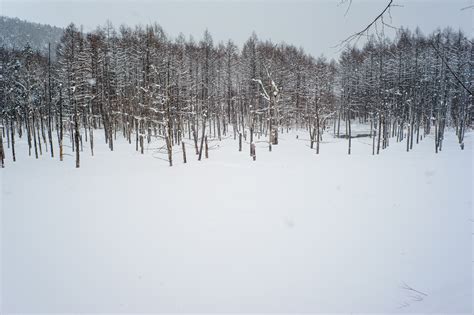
[(318, 135), (195, 137), (60, 126), (202, 138), (184, 151), (350, 135), (32, 129), (12, 130), (91, 138), (378, 134), (2, 152), (76, 137), (240, 141), (169, 148)]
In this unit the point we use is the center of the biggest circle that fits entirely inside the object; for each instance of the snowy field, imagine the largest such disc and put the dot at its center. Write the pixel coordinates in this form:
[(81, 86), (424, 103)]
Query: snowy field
[(290, 232)]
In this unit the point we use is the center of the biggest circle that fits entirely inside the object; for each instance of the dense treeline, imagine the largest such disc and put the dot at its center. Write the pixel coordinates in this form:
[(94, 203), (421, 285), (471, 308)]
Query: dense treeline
[(142, 85), (414, 84)]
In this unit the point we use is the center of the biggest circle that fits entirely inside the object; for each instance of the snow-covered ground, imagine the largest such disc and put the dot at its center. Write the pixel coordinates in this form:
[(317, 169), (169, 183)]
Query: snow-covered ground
[(290, 232)]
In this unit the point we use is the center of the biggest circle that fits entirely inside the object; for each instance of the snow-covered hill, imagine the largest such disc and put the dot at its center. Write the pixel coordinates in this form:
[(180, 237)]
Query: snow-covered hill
[(16, 34)]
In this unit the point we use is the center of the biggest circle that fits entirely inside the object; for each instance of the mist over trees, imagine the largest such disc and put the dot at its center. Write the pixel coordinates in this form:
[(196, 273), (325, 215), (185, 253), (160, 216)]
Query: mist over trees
[(16, 34), (144, 86)]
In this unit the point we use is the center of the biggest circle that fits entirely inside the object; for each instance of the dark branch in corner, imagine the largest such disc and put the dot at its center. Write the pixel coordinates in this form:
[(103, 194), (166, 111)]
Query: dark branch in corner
[(449, 69), (364, 32)]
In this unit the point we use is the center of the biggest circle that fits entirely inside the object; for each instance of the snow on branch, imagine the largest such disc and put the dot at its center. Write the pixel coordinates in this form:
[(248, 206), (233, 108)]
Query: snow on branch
[(264, 94)]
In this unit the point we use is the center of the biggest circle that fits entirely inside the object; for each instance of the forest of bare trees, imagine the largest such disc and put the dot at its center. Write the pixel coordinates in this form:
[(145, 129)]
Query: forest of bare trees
[(139, 84)]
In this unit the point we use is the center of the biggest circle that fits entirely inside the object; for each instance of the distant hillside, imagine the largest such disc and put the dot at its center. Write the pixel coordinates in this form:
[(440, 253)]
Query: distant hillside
[(16, 33)]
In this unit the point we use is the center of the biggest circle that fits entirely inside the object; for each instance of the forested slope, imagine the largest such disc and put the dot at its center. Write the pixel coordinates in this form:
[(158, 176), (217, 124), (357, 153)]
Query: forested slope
[(16, 34)]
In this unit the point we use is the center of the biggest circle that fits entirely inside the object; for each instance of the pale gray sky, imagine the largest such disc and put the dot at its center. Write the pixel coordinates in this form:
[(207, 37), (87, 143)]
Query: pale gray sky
[(314, 25)]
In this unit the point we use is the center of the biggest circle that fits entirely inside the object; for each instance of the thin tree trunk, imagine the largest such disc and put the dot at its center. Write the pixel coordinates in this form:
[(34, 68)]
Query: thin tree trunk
[(60, 126), (202, 138), (373, 132), (33, 129), (350, 135), (2, 152), (91, 138), (169, 148), (253, 152), (378, 134), (195, 137), (240, 141), (50, 128), (12, 131), (76, 136), (318, 136), (184, 151)]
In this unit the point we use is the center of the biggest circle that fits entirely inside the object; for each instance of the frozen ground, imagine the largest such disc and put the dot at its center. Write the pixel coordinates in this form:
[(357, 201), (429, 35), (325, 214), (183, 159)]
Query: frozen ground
[(291, 232)]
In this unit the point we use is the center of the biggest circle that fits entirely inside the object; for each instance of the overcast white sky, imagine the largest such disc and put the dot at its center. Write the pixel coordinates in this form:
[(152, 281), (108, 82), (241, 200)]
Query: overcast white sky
[(315, 25)]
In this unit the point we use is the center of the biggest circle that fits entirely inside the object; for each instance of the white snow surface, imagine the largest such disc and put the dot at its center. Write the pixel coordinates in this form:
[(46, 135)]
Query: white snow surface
[(290, 232)]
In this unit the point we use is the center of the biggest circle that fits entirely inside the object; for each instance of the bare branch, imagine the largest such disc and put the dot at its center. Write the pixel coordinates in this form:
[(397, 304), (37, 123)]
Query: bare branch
[(364, 32), (348, 7), (449, 68)]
